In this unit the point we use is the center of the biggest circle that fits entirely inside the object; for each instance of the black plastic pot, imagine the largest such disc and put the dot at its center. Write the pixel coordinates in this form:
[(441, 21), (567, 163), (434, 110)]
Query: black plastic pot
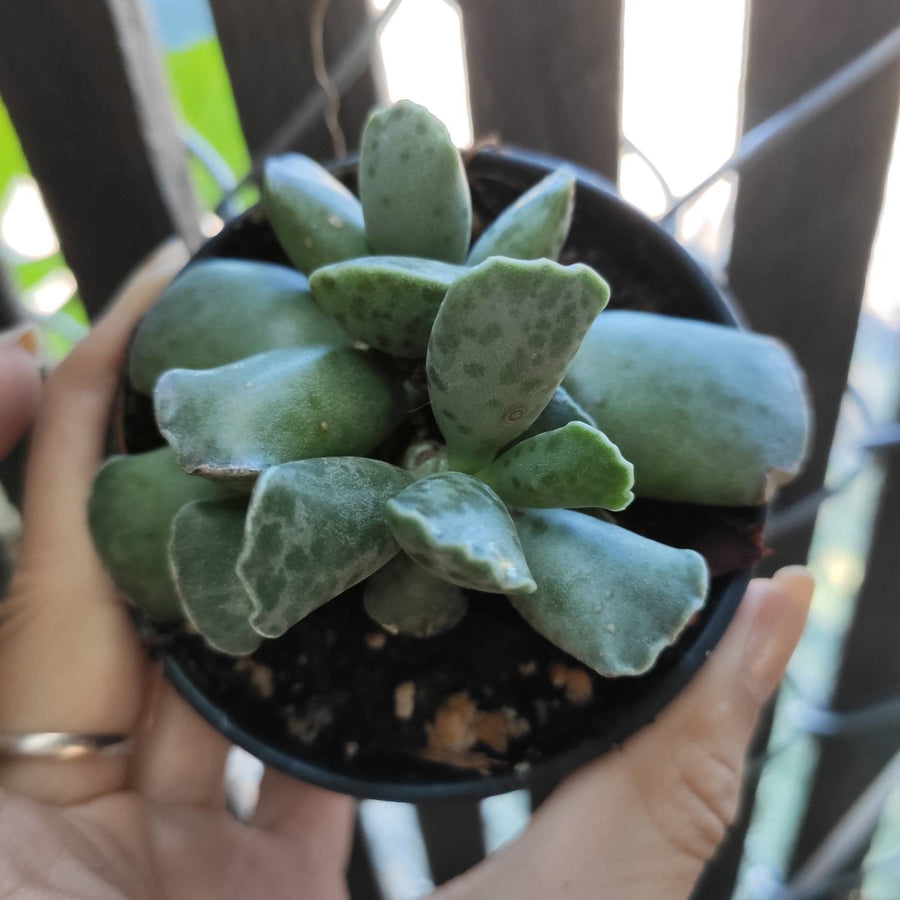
[(318, 703)]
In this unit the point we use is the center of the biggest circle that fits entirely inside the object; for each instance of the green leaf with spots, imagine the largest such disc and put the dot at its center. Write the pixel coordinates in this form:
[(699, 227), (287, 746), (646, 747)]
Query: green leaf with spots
[(413, 186), (221, 310), (707, 414), (236, 420), (206, 539), (535, 226), (315, 218), (501, 343), (405, 599), (314, 528), (561, 410), (573, 466), (130, 512), (458, 529), (387, 301), (609, 597)]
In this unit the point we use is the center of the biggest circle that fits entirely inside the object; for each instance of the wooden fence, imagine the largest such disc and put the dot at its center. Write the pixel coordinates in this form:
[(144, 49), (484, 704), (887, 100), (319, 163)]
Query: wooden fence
[(83, 84)]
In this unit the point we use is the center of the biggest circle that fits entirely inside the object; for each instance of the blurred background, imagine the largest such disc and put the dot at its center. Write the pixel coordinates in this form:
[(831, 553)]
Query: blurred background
[(761, 133)]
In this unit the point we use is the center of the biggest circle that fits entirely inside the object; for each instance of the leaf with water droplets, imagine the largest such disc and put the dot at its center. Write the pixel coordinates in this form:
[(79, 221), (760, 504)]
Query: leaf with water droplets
[(132, 504), (314, 528), (573, 466), (707, 414), (315, 218), (203, 551), (609, 597), (458, 529), (535, 226), (501, 343), (387, 301), (413, 186), (403, 598), (236, 420), (221, 310)]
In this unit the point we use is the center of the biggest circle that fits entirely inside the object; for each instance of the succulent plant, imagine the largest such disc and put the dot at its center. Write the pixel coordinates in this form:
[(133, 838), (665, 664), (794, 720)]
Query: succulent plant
[(432, 419)]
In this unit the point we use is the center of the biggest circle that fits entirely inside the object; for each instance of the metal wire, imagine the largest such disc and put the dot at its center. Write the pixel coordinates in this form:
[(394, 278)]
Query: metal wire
[(216, 166), (787, 121), (845, 840), (347, 70)]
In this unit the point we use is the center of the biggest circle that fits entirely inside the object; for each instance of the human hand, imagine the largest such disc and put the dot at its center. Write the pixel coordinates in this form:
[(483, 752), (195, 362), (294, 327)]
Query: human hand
[(153, 823), (642, 821), (638, 823)]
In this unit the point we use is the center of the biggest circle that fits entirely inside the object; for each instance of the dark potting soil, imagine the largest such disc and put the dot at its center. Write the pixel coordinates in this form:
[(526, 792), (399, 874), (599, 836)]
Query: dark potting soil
[(490, 696)]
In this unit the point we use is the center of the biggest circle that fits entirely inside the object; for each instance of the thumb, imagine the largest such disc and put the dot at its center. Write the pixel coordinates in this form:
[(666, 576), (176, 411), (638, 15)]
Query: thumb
[(642, 822)]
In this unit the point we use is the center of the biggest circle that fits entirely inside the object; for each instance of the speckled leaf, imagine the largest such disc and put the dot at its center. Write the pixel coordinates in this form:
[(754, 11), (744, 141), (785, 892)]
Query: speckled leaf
[(535, 226), (561, 410), (314, 529), (222, 310), (413, 186), (707, 414), (458, 529), (236, 420), (132, 504), (573, 466), (203, 551), (315, 218), (405, 599), (501, 343), (387, 301), (609, 597)]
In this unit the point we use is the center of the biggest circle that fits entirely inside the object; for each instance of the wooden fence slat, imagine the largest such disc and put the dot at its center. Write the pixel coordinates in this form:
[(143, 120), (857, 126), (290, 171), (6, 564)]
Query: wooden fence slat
[(83, 86), (541, 791), (453, 837), (361, 880), (9, 307), (266, 46), (804, 223), (870, 672), (547, 76)]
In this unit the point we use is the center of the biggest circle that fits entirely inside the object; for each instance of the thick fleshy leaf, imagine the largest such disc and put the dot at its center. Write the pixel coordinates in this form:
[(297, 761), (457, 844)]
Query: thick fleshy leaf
[(387, 301), (707, 414), (535, 226), (203, 552), (501, 343), (405, 599), (458, 529), (236, 420), (221, 310), (314, 529), (132, 504), (413, 186), (315, 218), (561, 410), (609, 597), (573, 466)]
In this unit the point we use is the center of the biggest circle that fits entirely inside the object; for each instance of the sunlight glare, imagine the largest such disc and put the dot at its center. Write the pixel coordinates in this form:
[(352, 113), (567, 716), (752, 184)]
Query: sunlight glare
[(882, 294), (424, 61), (25, 226), (681, 84), (51, 293)]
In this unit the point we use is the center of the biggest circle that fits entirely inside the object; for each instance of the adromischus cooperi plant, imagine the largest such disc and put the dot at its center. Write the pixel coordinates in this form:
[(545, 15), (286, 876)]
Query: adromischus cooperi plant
[(272, 390)]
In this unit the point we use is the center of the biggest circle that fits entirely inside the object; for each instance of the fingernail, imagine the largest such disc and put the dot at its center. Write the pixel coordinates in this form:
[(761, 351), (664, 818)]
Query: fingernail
[(780, 612), (797, 581)]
